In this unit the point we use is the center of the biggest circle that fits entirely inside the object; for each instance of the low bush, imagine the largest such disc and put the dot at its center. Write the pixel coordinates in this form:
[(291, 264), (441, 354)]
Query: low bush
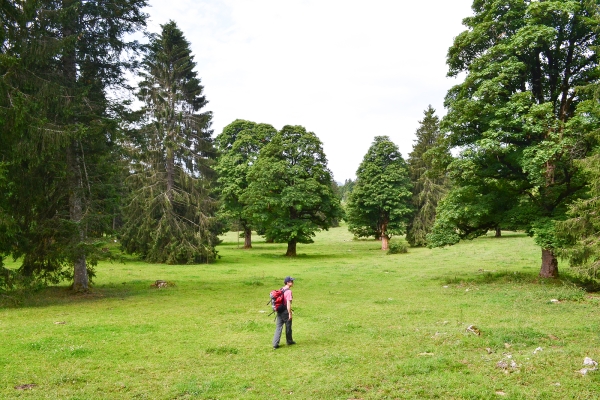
[(398, 247)]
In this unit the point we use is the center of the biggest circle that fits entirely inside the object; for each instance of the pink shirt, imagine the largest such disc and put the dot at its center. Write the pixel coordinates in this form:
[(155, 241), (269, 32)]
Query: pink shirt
[(287, 296)]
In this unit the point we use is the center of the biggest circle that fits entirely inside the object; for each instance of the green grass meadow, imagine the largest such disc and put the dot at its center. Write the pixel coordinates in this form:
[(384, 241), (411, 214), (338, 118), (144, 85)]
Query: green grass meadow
[(367, 325)]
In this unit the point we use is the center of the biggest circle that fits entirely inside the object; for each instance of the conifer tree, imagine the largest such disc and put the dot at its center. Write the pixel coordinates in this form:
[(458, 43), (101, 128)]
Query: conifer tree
[(580, 232), (170, 216), (60, 129), (428, 186)]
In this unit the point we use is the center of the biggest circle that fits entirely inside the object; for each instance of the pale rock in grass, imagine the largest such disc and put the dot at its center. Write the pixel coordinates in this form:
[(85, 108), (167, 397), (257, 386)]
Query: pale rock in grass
[(590, 363), (537, 350), (474, 330), (554, 301), (502, 364), (507, 364)]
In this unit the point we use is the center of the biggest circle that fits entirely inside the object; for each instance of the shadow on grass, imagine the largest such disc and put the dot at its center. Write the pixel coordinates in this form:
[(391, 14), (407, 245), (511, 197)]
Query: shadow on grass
[(58, 295), (505, 235), (512, 277)]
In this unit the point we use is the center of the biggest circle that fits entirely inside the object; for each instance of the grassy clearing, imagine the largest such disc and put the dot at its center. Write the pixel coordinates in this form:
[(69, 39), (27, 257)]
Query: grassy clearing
[(368, 326)]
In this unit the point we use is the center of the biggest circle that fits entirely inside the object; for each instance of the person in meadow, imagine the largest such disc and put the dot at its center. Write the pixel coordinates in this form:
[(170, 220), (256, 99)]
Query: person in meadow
[(284, 316)]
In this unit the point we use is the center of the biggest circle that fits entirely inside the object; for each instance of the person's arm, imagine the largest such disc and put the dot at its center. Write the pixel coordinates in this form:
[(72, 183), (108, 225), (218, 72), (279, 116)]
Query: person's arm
[(289, 308)]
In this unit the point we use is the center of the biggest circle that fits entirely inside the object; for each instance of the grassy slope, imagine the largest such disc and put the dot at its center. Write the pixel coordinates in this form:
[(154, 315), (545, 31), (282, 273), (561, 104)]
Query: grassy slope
[(368, 326)]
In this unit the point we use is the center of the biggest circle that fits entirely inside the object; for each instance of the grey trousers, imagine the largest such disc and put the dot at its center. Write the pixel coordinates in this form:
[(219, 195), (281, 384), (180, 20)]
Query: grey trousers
[(282, 318)]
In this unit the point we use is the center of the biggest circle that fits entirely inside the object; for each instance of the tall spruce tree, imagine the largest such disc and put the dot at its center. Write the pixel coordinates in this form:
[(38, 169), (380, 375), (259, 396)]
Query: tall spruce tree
[(580, 233), (170, 216), (379, 204), (58, 61), (239, 145), (428, 185), (513, 116)]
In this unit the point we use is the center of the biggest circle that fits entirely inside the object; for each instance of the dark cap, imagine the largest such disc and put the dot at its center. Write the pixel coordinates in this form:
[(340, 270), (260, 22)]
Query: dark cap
[(288, 279)]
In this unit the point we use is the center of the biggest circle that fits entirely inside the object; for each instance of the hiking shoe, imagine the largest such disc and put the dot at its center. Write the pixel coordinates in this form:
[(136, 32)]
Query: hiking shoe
[(291, 343), (275, 347)]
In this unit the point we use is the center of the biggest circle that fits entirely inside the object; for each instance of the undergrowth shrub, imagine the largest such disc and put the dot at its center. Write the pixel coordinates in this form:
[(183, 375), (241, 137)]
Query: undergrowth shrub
[(398, 247)]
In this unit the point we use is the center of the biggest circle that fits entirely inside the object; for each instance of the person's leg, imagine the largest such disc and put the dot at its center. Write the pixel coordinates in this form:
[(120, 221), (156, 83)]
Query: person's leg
[(288, 331), (278, 329)]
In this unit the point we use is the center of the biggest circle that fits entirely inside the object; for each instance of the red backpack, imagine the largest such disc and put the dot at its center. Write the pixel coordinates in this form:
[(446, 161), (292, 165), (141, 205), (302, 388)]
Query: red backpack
[(277, 300)]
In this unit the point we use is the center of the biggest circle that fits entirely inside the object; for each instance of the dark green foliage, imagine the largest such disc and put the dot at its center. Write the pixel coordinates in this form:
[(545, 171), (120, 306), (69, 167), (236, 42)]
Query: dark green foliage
[(239, 145), (515, 118), (59, 130), (169, 217), (379, 204), (398, 247), (429, 186), (581, 231), (346, 189), (290, 194)]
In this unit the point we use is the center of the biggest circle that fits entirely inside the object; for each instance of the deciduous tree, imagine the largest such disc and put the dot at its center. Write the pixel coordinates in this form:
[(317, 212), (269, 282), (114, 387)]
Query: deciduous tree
[(380, 203), (513, 114), (239, 145), (290, 195)]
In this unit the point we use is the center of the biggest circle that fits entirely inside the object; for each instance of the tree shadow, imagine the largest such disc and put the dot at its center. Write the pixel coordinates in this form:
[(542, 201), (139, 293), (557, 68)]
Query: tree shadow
[(483, 277), (60, 295)]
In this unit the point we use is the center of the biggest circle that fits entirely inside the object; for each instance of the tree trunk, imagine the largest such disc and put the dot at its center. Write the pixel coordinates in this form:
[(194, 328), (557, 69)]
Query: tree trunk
[(170, 173), (385, 242), (549, 264), (291, 250), (247, 238), (75, 183), (80, 275), (498, 232)]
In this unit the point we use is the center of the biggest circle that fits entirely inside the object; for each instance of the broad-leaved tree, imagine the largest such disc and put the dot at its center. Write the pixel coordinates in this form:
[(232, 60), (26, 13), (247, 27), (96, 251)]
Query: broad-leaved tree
[(290, 194), (380, 203), (514, 116)]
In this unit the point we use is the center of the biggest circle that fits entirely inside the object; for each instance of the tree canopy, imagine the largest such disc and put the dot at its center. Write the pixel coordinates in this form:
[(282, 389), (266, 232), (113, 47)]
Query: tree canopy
[(515, 115), (290, 194), (379, 204), (239, 145)]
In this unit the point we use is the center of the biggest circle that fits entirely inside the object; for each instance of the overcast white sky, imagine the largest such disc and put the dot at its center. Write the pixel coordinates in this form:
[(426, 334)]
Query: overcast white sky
[(347, 70)]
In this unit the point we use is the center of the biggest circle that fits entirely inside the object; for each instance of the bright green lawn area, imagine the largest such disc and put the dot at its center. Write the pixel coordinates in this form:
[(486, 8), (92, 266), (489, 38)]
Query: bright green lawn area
[(367, 326)]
